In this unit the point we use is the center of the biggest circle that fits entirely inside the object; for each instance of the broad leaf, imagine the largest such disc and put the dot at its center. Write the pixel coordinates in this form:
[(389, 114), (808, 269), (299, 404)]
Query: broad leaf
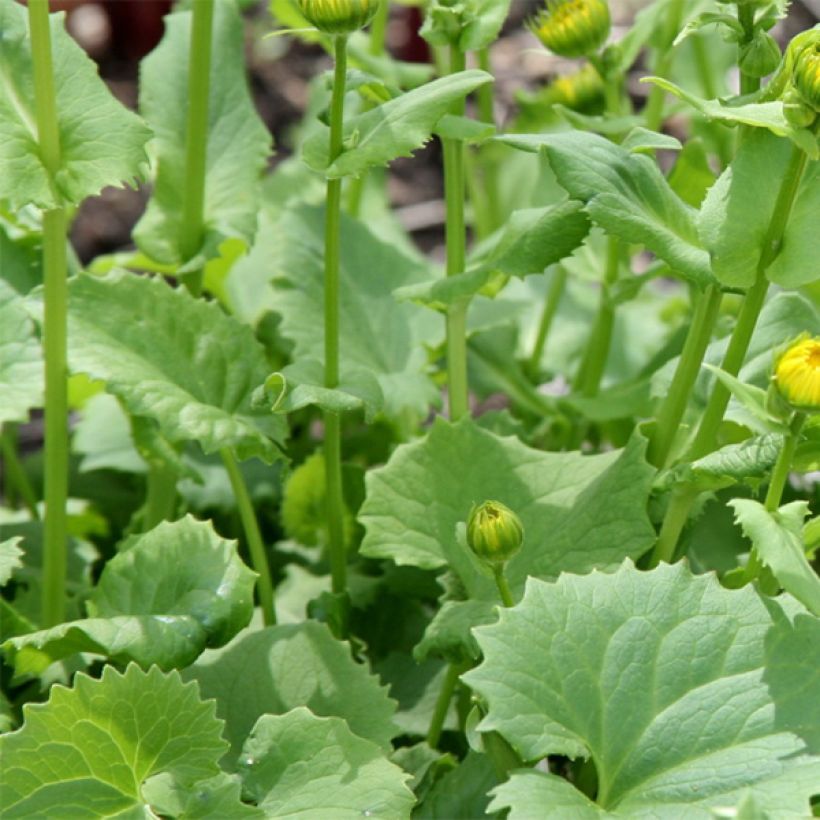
[(626, 194), (21, 358), (167, 596), (376, 333), (486, 19), (300, 765), (739, 209), (238, 141), (658, 677), (101, 142), (394, 129), (88, 751), (778, 540), (274, 670), (450, 634), (578, 511), (174, 359), (462, 793), (104, 438), (216, 797), (10, 558)]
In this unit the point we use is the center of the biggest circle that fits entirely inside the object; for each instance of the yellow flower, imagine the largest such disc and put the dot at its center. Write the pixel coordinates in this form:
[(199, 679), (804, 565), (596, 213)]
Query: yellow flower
[(572, 28), (797, 374), (807, 75)]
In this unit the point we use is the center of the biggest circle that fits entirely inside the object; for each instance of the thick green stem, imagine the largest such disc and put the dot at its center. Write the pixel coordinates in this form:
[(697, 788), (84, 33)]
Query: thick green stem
[(503, 586), (588, 378), (14, 476), (196, 137), (253, 536), (677, 397), (161, 496), (706, 437), (332, 421), (445, 694), (454, 188), (55, 274), (553, 299)]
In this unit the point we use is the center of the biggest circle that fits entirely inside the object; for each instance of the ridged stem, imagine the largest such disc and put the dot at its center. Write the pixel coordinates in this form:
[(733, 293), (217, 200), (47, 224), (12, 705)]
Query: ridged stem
[(553, 299)]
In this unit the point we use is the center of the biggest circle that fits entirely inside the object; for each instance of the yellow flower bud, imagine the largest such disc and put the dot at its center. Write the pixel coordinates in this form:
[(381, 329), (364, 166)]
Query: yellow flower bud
[(806, 76), (338, 16), (494, 532), (797, 374), (572, 28)]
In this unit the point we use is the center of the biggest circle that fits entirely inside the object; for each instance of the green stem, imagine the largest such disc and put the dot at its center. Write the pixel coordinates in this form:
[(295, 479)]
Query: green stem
[(677, 397), (448, 686), (196, 138), (253, 536), (588, 378), (553, 299), (332, 421), (664, 58), (14, 475), (705, 439), (55, 274), (503, 586), (454, 187), (161, 496)]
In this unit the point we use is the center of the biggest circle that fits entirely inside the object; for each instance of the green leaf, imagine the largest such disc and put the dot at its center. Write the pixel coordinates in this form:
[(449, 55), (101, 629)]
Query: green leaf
[(752, 398), (101, 142), (450, 634), (691, 177), (765, 115), (274, 670), (642, 140), (393, 129), (238, 141), (486, 17), (20, 251), (10, 555), (778, 538), (376, 333), (578, 511), (739, 208), (216, 797), (167, 596), (300, 765), (531, 240), (658, 677), (88, 751), (174, 359), (462, 793), (626, 194), (21, 359), (103, 438)]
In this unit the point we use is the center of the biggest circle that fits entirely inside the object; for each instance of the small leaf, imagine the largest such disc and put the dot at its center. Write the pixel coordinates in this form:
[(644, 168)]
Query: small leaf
[(778, 540), (238, 141), (170, 593), (752, 398), (642, 140), (300, 765), (450, 634), (21, 359), (10, 555), (101, 142), (89, 750), (658, 677), (177, 360), (274, 670), (626, 194), (393, 129)]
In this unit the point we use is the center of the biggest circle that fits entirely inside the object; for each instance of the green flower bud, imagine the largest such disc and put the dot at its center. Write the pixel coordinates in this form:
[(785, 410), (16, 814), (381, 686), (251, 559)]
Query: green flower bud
[(338, 16), (761, 56), (494, 532), (572, 28), (806, 75), (796, 111)]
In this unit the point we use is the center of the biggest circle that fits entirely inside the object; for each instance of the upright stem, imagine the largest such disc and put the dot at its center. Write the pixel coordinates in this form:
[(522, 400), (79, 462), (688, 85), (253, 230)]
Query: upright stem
[(445, 694), (588, 379), (332, 421), (13, 473), (553, 299), (677, 397), (55, 273), (665, 57), (196, 137), (706, 437), (250, 525), (503, 586)]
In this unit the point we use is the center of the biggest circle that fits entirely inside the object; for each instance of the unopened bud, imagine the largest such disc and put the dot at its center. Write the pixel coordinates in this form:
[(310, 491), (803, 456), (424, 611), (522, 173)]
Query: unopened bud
[(494, 532), (806, 76), (572, 28), (338, 16), (796, 111), (761, 56)]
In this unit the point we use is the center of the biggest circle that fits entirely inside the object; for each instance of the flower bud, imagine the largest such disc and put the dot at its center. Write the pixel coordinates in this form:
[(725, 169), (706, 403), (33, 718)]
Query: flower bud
[(494, 532), (796, 111), (338, 16), (761, 56), (797, 374), (572, 28), (806, 75)]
